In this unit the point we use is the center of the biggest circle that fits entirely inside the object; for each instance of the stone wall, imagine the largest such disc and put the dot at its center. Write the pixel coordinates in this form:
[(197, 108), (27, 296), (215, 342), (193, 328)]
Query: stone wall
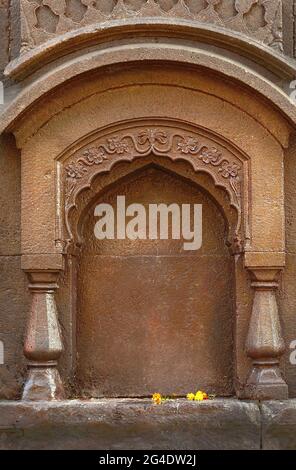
[(14, 297), (13, 290), (42, 20), (288, 291), (4, 34)]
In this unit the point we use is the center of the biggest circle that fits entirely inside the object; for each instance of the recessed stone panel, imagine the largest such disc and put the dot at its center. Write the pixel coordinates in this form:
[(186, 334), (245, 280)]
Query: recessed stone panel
[(151, 316)]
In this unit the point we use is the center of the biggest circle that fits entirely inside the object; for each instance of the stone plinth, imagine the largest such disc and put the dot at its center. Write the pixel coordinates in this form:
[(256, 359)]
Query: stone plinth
[(278, 425), (130, 424)]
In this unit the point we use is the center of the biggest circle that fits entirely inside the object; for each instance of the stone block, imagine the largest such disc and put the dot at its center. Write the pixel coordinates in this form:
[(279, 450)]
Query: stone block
[(278, 425), (130, 424)]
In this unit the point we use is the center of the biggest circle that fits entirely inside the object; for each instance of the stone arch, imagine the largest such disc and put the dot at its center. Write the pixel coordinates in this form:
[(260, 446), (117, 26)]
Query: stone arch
[(205, 153), (101, 182), (189, 152), (272, 86)]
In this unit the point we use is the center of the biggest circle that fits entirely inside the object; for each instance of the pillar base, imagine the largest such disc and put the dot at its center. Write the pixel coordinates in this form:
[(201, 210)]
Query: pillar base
[(266, 383), (43, 383)]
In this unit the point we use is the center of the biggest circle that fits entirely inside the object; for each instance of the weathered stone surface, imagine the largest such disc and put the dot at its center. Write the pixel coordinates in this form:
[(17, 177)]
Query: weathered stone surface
[(289, 27), (215, 146), (10, 32), (147, 88), (13, 289), (130, 424), (45, 20), (4, 35), (13, 313), (137, 424), (161, 309), (10, 197), (278, 425), (287, 298)]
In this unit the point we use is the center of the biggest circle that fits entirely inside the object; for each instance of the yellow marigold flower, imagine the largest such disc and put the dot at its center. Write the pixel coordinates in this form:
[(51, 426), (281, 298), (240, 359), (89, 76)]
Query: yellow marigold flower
[(190, 396), (199, 396), (205, 396), (156, 398)]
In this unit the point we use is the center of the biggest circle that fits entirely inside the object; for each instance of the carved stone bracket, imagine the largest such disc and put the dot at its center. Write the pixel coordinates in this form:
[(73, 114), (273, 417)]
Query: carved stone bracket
[(43, 344), (265, 344), (224, 167)]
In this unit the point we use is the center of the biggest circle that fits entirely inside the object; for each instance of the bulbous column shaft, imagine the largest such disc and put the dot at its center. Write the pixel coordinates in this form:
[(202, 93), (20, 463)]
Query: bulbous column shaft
[(43, 343), (264, 343)]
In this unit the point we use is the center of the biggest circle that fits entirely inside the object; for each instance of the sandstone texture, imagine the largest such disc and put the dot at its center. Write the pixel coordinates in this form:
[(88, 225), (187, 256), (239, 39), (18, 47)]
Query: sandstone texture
[(162, 102), (130, 424)]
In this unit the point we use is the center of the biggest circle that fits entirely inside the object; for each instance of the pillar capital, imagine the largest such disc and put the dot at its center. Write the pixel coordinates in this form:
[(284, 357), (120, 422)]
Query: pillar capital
[(46, 281), (265, 263), (265, 277)]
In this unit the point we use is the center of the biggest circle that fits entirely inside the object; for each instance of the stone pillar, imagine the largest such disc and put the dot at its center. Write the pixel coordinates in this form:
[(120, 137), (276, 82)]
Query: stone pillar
[(265, 344), (43, 344)]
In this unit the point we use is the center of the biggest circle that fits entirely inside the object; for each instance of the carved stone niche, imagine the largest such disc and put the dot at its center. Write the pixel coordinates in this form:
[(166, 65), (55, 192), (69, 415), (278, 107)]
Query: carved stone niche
[(147, 315), (138, 316), (151, 329)]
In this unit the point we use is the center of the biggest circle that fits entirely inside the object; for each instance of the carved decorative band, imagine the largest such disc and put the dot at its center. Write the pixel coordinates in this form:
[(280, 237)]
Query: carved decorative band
[(158, 142), (224, 167), (148, 141), (45, 19)]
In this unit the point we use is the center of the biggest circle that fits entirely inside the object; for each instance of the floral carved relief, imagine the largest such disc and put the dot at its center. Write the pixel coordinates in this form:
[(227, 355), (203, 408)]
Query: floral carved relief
[(203, 154), (45, 19)]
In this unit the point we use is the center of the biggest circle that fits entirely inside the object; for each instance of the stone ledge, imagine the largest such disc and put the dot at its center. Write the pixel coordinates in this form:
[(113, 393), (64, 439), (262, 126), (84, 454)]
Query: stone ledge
[(130, 424), (278, 425), (118, 29)]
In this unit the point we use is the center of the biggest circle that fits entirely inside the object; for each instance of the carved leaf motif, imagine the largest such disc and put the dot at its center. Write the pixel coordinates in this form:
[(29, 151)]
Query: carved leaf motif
[(93, 156), (212, 155), (117, 145), (152, 136), (188, 145), (159, 141), (209, 155), (75, 170), (229, 170)]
